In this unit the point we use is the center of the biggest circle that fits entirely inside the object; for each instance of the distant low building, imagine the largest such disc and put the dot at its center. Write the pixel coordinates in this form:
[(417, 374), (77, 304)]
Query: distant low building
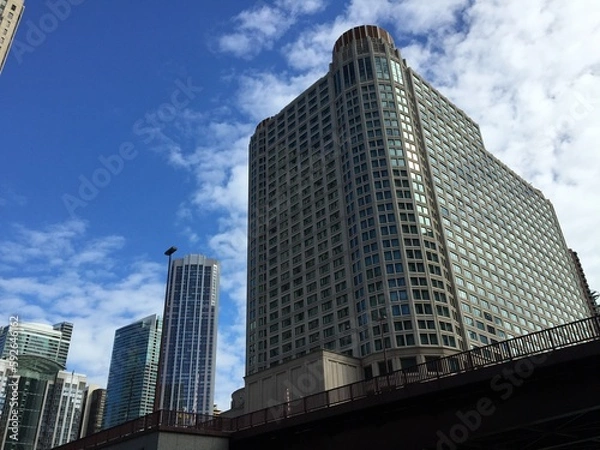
[(238, 404), (318, 371)]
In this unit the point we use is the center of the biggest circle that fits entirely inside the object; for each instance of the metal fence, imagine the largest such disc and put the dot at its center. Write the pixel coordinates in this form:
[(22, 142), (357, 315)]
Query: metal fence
[(543, 341)]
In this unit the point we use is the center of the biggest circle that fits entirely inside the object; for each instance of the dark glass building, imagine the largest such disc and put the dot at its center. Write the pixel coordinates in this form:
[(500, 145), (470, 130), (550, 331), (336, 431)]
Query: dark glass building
[(133, 371)]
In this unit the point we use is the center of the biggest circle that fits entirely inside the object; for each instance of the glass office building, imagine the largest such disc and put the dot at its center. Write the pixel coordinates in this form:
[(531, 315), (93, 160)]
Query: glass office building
[(45, 399), (378, 221), (34, 339), (25, 405), (47, 341), (133, 371)]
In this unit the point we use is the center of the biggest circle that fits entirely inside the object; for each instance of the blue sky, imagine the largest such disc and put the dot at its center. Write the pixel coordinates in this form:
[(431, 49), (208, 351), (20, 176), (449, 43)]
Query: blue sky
[(124, 130)]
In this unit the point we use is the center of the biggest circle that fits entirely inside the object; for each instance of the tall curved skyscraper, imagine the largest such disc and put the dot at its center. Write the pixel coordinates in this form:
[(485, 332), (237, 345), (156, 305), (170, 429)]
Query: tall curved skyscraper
[(380, 227)]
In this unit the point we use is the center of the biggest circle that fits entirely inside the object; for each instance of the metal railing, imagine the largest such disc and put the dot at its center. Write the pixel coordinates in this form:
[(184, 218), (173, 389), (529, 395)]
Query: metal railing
[(528, 345), (157, 421), (543, 341)]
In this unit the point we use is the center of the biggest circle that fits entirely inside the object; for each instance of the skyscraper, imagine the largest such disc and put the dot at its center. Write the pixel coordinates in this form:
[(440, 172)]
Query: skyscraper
[(10, 16), (6, 373), (22, 422), (93, 410), (48, 341), (63, 409), (380, 227), (133, 371), (35, 339), (37, 401), (189, 340)]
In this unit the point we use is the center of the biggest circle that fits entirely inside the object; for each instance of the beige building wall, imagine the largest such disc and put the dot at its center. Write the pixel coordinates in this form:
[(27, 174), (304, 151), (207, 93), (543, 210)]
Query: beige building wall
[(315, 372), (10, 15)]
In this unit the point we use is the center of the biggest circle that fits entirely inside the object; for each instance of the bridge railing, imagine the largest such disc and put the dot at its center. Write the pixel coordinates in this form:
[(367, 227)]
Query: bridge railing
[(525, 346), (543, 341)]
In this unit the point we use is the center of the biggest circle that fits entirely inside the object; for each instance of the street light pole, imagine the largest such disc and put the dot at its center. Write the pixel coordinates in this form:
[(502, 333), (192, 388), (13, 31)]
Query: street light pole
[(385, 359), (159, 392)]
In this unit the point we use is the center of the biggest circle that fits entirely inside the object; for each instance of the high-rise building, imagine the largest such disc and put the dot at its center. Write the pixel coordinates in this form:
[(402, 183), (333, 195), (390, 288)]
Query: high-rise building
[(41, 397), (6, 372), (133, 371), (381, 228), (187, 363), (36, 339), (590, 295), (10, 16), (22, 421), (93, 410), (63, 409)]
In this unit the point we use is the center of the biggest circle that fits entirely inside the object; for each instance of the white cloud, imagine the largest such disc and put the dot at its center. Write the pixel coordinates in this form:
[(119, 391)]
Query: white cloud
[(9, 197), (263, 94), (534, 87), (531, 84), (412, 19), (260, 26), (215, 152), (491, 58), (257, 29), (305, 7), (82, 285)]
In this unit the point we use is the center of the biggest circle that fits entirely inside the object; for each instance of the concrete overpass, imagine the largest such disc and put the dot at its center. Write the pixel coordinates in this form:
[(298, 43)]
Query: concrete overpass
[(536, 392)]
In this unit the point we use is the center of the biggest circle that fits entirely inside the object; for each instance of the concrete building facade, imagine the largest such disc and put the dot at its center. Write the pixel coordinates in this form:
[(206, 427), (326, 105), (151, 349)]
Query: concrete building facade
[(10, 16), (93, 410), (189, 341), (381, 228), (63, 409), (319, 371)]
